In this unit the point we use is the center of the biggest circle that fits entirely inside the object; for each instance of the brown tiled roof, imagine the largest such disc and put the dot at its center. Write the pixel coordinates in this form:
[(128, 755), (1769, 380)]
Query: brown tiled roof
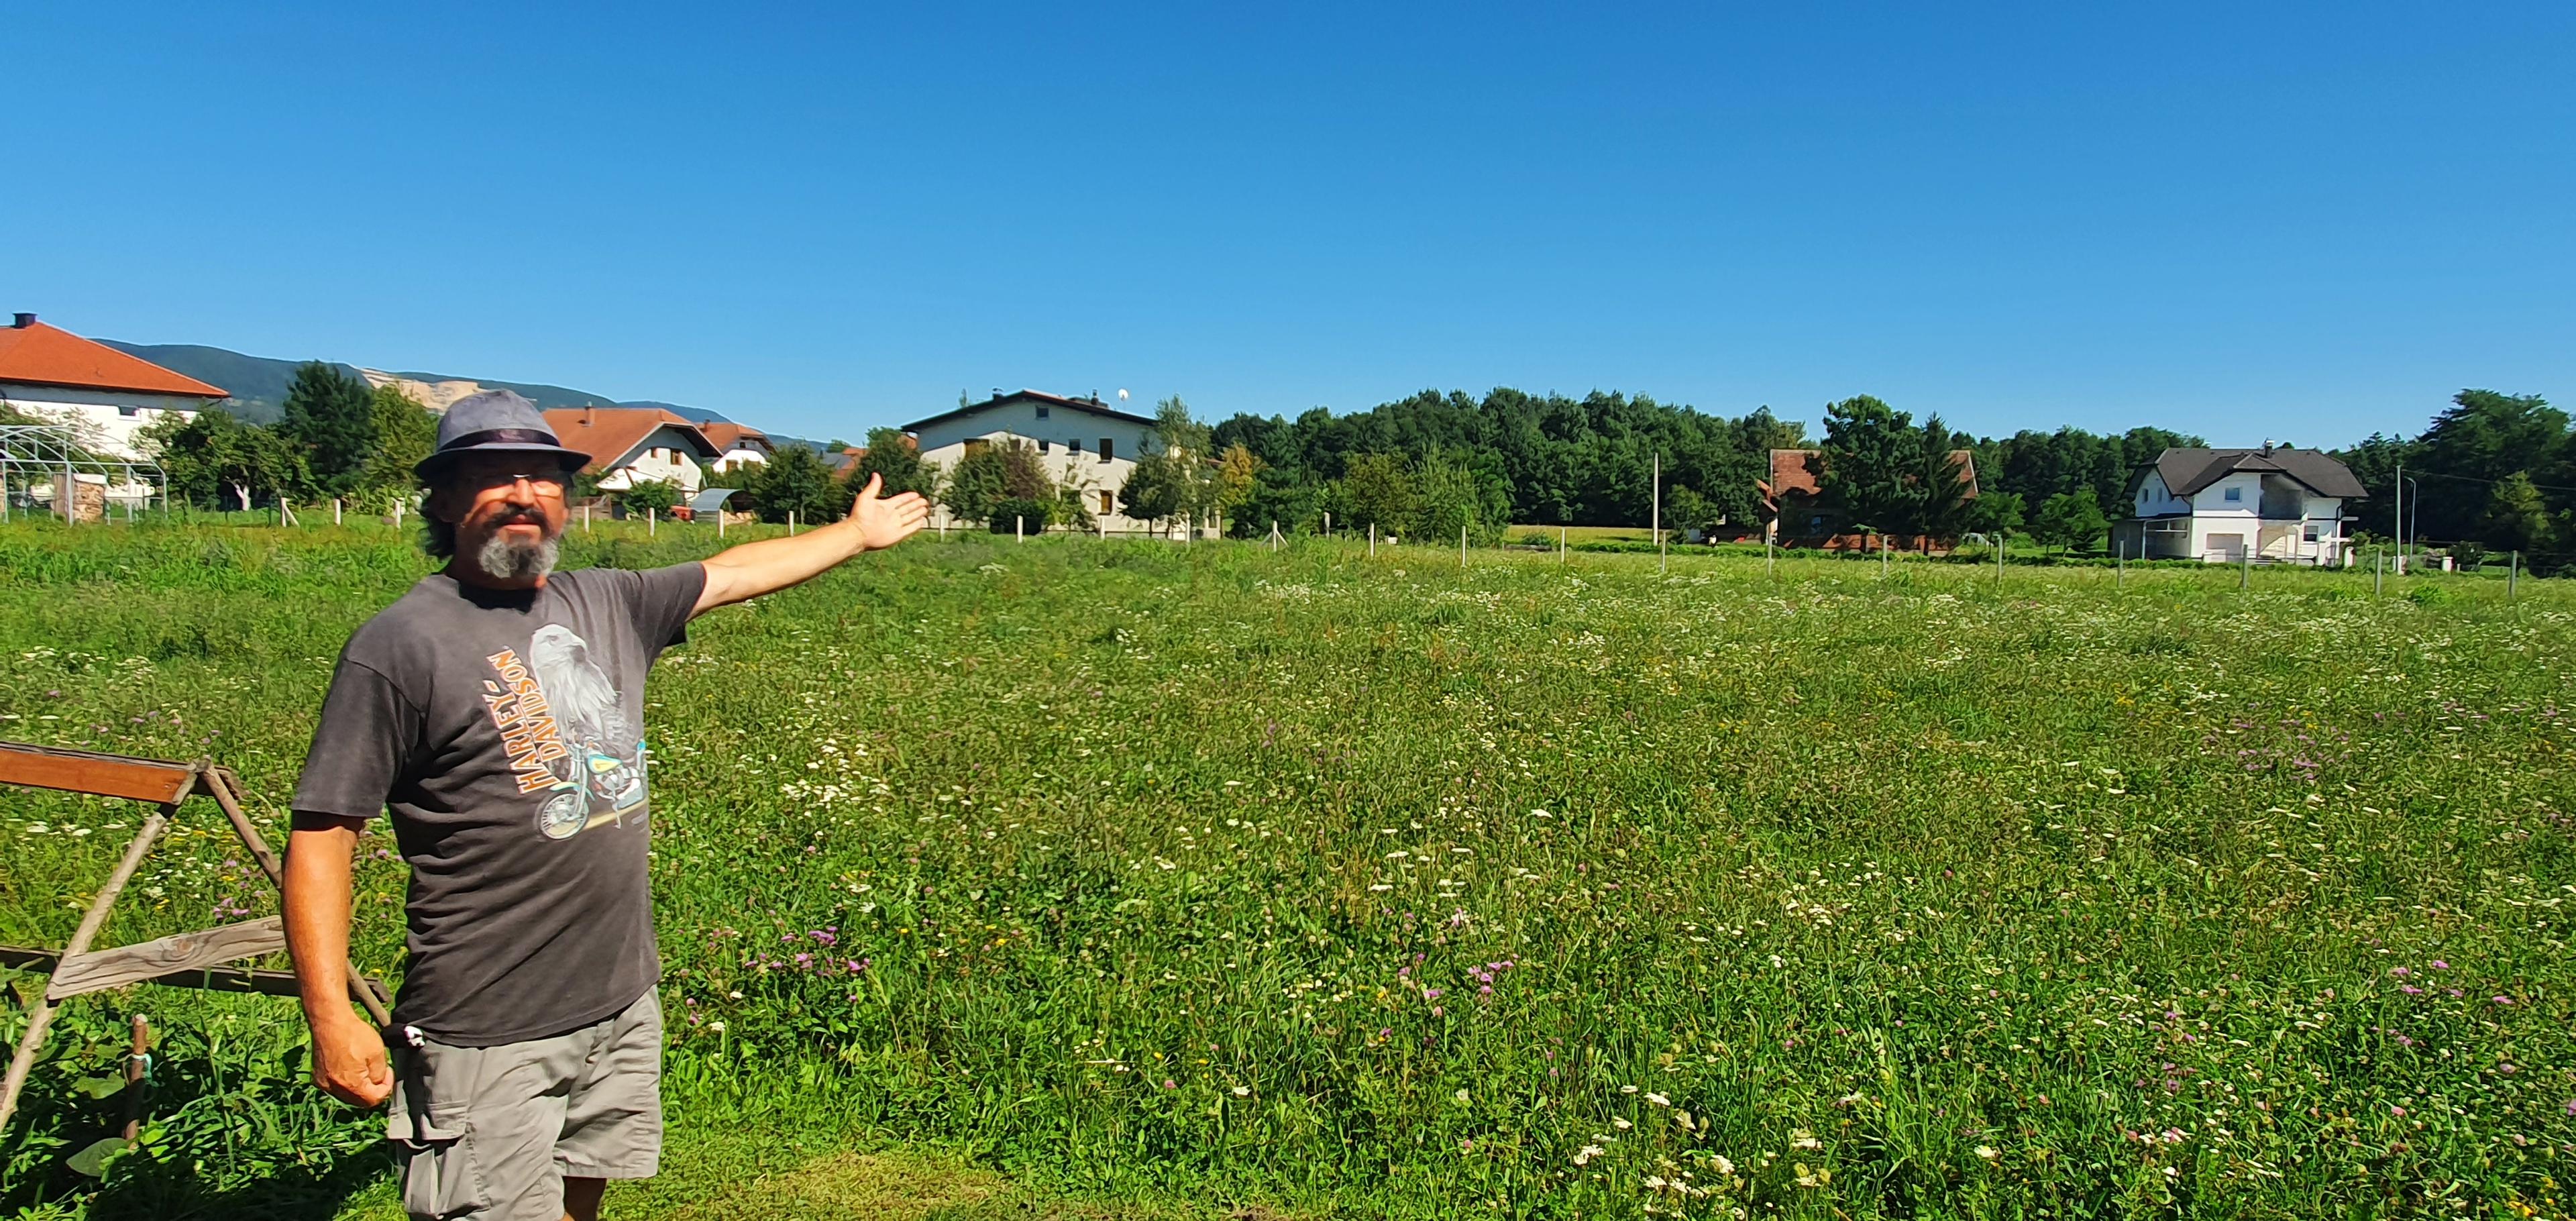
[(1791, 474), (611, 434), (726, 435), (46, 355)]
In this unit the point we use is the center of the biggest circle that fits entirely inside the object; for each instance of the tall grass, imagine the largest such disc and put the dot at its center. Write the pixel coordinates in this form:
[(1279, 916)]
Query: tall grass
[(1392, 888)]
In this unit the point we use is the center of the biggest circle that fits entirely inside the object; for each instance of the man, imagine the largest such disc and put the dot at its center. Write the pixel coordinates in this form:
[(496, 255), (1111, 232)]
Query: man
[(498, 709)]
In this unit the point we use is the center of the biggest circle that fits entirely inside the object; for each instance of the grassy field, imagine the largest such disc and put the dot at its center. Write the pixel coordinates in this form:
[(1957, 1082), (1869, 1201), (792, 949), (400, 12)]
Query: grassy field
[(1532, 536), (1074, 879)]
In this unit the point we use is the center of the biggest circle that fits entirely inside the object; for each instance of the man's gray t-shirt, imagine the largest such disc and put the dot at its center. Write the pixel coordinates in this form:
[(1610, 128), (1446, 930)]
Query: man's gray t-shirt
[(505, 730)]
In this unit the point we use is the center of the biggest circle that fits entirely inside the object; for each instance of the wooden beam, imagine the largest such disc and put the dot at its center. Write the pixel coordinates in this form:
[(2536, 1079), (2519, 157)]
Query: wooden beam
[(79, 974), (81, 771), (213, 979)]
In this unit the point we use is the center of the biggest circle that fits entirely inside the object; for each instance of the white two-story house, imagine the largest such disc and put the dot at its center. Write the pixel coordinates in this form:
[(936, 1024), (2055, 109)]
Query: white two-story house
[(1086, 444), (630, 445), (105, 397), (2284, 506)]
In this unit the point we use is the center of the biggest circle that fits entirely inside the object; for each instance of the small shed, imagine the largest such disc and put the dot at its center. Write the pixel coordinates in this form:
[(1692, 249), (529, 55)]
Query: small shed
[(711, 499)]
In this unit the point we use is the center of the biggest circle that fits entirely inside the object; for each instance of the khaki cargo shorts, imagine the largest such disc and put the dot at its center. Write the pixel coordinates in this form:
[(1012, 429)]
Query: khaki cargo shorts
[(492, 1132)]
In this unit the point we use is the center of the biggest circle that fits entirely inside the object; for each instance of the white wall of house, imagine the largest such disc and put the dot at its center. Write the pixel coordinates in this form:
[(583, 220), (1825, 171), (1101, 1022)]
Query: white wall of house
[(110, 420), (739, 457), (663, 455), (1069, 443)]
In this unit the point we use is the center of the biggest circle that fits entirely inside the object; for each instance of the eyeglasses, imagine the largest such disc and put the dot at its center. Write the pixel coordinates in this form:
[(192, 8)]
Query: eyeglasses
[(543, 483)]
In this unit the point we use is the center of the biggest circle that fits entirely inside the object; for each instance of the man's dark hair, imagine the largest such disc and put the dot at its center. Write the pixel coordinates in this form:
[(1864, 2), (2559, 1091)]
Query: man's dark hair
[(438, 538)]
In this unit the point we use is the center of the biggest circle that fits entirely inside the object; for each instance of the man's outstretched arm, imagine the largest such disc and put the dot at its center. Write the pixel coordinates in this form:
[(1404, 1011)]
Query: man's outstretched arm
[(348, 1054), (752, 569)]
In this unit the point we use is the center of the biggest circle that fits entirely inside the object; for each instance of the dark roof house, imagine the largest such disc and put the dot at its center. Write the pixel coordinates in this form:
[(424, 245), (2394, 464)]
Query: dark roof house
[(2187, 471), (1092, 405)]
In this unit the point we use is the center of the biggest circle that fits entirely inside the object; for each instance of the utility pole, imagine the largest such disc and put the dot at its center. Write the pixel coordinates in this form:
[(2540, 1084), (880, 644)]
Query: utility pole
[(2397, 520), (1658, 519)]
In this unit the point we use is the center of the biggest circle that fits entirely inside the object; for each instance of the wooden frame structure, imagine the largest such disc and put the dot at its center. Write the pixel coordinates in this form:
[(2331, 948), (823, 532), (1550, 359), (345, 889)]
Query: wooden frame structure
[(186, 960)]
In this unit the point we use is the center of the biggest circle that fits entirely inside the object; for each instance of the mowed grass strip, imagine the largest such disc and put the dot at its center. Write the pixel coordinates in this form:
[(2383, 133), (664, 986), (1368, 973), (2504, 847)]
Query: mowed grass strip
[(1139, 873)]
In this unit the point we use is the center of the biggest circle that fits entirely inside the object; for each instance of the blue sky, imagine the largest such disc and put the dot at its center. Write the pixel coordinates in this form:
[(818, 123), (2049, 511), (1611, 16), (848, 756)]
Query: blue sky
[(2243, 221)]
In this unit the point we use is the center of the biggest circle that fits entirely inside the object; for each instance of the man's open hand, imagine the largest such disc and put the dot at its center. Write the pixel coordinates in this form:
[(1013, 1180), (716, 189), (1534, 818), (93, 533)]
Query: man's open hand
[(884, 521), (349, 1063)]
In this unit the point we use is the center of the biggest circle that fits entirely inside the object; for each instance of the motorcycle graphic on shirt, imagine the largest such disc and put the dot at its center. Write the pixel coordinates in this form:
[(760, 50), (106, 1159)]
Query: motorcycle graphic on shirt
[(567, 733)]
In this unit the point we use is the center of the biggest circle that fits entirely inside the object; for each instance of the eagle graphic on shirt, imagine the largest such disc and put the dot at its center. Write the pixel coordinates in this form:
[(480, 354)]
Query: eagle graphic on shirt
[(567, 732)]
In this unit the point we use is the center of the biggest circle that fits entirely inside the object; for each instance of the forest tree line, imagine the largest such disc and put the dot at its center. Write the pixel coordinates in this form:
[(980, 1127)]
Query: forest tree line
[(2490, 472)]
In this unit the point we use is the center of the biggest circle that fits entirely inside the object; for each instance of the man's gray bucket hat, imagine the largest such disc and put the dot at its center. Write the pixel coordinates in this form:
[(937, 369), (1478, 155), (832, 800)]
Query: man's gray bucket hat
[(496, 422)]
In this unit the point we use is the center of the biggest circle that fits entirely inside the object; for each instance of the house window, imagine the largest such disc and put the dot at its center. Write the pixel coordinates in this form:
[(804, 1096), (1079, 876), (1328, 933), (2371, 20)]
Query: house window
[(1042, 411), (1108, 450), (976, 445), (1104, 502), (2235, 495), (2314, 532), (127, 410), (1074, 447), (1042, 446)]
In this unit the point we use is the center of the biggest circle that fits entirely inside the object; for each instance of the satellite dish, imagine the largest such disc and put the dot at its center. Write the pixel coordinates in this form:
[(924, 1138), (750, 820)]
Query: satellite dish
[(1122, 396)]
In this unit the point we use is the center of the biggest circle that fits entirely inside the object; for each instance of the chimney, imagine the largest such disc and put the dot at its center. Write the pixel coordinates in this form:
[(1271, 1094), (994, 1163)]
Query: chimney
[(997, 392), (23, 321), (586, 410)]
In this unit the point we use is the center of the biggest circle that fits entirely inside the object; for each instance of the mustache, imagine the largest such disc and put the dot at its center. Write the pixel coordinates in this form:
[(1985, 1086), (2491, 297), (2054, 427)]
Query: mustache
[(515, 515)]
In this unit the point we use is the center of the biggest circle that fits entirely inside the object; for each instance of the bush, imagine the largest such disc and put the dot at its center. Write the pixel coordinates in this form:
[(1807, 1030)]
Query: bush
[(1019, 513)]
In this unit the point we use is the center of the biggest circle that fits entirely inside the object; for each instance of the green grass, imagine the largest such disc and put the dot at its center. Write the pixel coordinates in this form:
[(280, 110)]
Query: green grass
[(1822, 893), (1531, 536)]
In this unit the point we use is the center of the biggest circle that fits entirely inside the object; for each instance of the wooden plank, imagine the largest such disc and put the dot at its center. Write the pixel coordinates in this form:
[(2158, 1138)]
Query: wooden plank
[(78, 974), (81, 771), (215, 979)]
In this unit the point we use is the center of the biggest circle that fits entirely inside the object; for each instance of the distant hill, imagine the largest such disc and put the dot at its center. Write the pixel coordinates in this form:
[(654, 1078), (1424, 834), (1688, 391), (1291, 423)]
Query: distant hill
[(259, 383)]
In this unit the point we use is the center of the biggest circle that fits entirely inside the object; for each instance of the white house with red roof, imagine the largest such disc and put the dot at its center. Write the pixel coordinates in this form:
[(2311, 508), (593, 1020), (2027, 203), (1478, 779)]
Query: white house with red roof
[(105, 397), (631, 445)]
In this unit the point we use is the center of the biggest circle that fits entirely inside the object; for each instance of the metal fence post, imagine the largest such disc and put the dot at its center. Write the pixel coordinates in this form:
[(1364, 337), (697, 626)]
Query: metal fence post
[(2512, 571)]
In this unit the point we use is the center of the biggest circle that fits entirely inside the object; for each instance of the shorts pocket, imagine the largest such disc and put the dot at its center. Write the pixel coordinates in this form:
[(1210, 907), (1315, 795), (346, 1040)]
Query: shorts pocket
[(440, 1176)]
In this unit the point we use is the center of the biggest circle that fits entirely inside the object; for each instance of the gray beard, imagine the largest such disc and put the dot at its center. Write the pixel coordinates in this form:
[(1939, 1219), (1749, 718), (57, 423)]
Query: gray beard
[(504, 560)]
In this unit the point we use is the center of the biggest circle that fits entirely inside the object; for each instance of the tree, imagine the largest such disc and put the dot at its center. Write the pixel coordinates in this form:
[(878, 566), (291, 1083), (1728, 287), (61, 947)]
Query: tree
[(1157, 488), (654, 495), (2517, 517), (997, 482), (1942, 481), (795, 480), (406, 432), (1184, 441), (1448, 497), (332, 416), (1873, 466), (1238, 470), (974, 485), (1377, 490), (894, 457), (1997, 515), (2072, 519), (2483, 437), (1686, 510), (212, 458)]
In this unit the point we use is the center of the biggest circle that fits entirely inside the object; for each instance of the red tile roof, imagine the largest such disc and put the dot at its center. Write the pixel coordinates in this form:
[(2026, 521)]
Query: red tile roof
[(727, 436), (1791, 474), (609, 434), (45, 355)]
